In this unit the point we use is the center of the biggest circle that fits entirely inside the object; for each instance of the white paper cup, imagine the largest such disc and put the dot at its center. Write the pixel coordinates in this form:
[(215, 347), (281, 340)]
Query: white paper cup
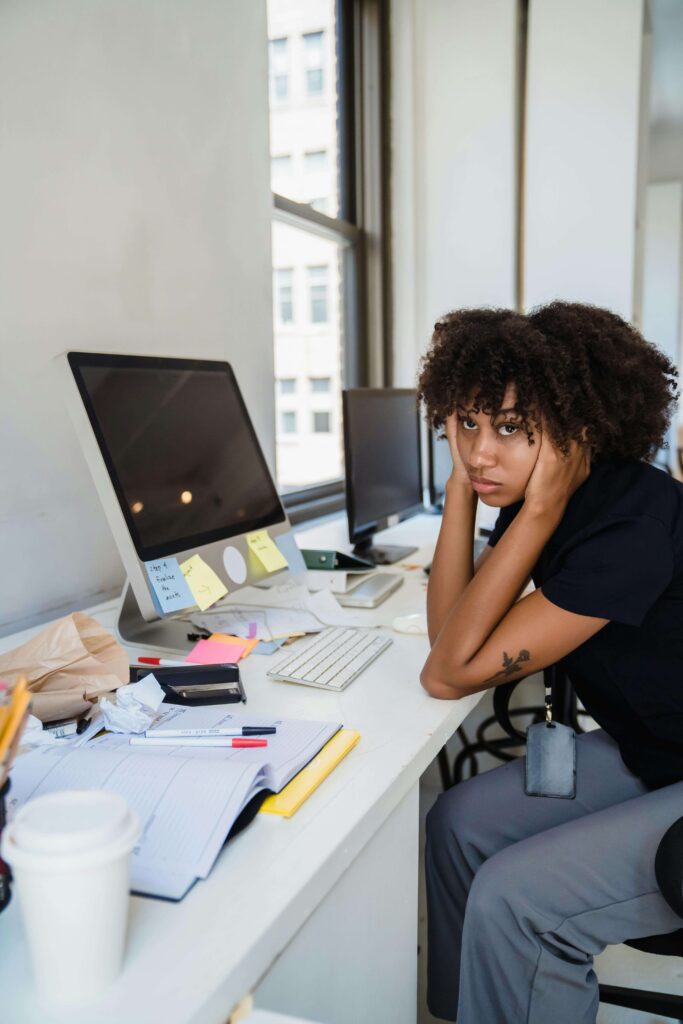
[(70, 857)]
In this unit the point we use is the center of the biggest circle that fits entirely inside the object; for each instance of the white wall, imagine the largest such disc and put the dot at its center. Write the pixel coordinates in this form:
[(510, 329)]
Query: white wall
[(662, 277), (582, 130), (135, 212), (454, 82)]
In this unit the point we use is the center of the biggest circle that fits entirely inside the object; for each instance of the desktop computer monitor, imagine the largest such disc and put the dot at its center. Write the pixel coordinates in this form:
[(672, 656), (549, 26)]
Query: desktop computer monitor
[(383, 471), (180, 472), (440, 467)]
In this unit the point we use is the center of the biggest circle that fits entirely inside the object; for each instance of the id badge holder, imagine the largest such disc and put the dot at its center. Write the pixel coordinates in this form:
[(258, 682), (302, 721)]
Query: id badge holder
[(550, 757)]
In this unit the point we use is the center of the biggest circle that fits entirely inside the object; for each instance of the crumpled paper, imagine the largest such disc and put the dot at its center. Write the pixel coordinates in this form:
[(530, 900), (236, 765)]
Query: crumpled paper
[(136, 706), (68, 665)]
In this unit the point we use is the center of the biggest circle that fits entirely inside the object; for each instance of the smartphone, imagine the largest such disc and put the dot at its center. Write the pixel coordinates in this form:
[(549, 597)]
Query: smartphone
[(372, 591)]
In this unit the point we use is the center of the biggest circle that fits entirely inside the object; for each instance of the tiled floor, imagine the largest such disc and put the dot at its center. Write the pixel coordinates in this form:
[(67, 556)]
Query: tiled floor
[(618, 965)]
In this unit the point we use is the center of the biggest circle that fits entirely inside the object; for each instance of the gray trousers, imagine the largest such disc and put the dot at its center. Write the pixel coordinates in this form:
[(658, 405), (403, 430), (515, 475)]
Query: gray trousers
[(523, 892)]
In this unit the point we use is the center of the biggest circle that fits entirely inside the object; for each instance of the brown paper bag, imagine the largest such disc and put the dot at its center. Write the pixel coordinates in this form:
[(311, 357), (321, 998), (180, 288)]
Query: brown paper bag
[(68, 665)]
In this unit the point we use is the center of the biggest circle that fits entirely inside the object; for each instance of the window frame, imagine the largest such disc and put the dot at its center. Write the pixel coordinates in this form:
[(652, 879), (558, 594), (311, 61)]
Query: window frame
[(362, 228)]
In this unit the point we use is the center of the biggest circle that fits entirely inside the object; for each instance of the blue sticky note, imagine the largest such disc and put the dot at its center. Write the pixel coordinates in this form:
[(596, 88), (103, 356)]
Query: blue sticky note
[(169, 585), (268, 646)]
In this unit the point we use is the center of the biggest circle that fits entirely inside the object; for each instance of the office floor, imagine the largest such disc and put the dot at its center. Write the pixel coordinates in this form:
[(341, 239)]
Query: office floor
[(618, 965)]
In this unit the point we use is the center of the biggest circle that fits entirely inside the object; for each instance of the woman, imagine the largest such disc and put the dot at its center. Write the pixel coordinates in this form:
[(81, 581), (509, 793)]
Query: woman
[(552, 418)]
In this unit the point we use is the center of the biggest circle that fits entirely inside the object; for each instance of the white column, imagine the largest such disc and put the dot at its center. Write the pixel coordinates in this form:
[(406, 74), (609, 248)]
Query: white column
[(454, 95), (662, 278), (581, 151)]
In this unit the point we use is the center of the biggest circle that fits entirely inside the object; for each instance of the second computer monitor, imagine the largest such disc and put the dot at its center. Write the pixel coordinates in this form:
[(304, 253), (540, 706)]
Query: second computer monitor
[(383, 471), (440, 468)]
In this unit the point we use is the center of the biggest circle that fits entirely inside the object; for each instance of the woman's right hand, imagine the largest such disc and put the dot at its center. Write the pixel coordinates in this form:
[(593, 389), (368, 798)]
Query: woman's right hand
[(459, 475)]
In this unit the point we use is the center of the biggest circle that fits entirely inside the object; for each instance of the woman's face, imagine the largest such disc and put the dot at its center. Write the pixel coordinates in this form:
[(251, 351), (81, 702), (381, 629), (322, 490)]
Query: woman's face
[(495, 451)]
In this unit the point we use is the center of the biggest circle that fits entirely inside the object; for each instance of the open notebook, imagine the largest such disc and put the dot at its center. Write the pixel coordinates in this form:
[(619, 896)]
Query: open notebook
[(181, 834)]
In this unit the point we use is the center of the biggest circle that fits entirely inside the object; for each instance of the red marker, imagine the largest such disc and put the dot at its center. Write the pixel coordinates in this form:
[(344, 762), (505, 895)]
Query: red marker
[(163, 662), (244, 742)]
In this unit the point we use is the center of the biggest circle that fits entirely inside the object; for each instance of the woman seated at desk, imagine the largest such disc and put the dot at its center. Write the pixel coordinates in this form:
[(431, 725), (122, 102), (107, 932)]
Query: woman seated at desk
[(551, 418)]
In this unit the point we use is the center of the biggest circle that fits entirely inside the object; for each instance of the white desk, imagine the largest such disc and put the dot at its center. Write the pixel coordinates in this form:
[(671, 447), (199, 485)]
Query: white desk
[(317, 915)]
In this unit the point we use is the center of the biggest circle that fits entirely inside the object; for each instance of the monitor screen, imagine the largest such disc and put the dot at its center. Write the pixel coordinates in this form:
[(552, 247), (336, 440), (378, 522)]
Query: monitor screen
[(440, 466), (382, 449), (180, 449)]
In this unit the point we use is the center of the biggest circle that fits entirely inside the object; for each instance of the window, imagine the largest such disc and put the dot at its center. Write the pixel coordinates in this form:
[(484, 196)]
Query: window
[(288, 422), (287, 385), (314, 60), (328, 202), (315, 161), (284, 295), (321, 423), (317, 283), (279, 68), (280, 165)]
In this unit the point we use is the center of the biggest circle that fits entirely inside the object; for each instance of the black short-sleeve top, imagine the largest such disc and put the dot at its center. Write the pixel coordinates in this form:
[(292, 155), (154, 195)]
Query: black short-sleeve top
[(618, 554)]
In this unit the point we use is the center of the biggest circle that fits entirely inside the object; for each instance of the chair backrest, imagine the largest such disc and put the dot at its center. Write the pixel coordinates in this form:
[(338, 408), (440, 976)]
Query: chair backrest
[(669, 866)]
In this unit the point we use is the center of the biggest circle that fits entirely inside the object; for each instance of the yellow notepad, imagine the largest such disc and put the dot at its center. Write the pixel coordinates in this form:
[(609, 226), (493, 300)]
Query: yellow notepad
[(290, 799)]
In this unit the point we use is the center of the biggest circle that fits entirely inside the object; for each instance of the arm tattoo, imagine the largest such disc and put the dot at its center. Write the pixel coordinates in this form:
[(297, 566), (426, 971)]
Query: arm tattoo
[(510, 665)]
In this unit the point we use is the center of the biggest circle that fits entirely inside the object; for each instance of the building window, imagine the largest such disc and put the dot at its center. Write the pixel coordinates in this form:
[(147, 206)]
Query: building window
[(321, 423), (279, 68), (287, 385), (315, 161), (314, 62), (317, 284), (328, 305), (284, 289), (281, 164), (288, 422)]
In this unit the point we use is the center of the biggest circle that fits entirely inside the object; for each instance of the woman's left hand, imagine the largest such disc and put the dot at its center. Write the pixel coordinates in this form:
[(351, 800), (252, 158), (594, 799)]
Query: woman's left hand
[(555, 476)]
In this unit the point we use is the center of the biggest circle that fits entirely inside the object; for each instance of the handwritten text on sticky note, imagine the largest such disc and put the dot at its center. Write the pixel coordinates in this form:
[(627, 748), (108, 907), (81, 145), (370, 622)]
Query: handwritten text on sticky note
[(267, 552), (206, 587), (169, 584)]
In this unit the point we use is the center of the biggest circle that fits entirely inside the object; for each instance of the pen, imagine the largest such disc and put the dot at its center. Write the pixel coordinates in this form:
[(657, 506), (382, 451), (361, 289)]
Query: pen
[(250, 730), (83, 724), (163, 662)]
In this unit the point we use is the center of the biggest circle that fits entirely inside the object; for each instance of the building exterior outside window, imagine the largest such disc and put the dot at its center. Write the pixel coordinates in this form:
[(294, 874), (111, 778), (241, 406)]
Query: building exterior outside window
[(288, 422), (314, 57), (279, 68), (317, 283), (308, 268), (320, 385), (284, 287), (287, 385), (321, 423)]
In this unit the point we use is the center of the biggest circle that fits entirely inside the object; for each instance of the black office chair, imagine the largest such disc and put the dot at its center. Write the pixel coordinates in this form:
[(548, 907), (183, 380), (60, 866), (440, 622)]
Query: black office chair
[(669, 856)]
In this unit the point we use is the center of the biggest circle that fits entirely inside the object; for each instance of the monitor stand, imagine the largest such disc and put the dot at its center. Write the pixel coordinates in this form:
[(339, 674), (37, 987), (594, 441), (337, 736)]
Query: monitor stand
[(161, 638), (383, 554)]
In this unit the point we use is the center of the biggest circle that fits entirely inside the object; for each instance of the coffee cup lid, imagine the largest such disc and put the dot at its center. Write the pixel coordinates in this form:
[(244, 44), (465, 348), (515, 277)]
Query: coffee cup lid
[(71, 821)]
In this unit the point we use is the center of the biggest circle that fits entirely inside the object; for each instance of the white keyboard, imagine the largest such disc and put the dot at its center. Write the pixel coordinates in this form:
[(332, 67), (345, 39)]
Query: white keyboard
[(334, 658)]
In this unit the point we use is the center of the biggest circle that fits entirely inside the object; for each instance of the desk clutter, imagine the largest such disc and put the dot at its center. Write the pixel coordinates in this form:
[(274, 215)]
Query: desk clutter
[(181, 835)]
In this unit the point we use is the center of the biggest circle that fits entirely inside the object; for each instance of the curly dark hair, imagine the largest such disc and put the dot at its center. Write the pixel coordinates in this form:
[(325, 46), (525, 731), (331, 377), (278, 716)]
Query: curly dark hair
[(575, 366)]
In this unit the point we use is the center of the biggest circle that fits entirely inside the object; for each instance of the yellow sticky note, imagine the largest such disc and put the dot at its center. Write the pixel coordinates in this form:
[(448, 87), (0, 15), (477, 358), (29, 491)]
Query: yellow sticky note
[(266, 550), (206, 587)]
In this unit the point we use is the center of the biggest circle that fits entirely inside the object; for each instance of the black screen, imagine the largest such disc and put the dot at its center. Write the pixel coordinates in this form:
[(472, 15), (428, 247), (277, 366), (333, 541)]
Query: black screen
[(180, 449), (382, 448), (441, 466)]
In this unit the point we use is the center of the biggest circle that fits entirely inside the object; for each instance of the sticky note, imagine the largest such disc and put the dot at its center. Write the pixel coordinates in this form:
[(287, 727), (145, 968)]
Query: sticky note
[(169, 585), (206, 587), (266, 550), (210, 652), (248, 645)]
